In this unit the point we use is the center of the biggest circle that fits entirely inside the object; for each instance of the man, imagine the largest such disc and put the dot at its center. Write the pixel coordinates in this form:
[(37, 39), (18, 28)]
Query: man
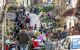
[(23, 39)]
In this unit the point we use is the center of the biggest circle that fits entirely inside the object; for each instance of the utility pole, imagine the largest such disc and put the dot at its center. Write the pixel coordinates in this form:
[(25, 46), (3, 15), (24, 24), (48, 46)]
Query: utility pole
[(3, 23), (3, 29), (3, 35)]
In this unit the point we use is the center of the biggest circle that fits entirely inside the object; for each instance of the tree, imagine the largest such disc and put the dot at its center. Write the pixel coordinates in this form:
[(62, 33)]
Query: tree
[(45, 8)]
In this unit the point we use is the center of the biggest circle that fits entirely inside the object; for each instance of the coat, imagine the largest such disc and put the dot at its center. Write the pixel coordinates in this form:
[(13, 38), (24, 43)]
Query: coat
[(23, 38)]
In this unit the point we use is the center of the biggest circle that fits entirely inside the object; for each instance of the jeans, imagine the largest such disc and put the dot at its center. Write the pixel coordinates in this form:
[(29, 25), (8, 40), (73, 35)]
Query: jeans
[(48, 46), (23, 47), (13, 48)]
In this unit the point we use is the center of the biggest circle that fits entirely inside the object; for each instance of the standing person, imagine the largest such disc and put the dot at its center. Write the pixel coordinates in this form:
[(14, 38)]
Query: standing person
[(21, 12), (8, 42), (24, 10), (16, 31), (40, 37), (23, 39), (35, 27), (27, 20), (41, 28)]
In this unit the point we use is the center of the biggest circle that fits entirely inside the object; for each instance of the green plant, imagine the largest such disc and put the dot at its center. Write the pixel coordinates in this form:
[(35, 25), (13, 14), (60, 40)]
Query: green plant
[(46, 19), (47, 9)]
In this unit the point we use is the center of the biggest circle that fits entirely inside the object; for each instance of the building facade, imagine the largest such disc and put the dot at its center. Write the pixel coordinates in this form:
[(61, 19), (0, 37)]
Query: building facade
[(2, 3), (60, 5), (71, 3), (25, 3), (71, 20), (60, 8)]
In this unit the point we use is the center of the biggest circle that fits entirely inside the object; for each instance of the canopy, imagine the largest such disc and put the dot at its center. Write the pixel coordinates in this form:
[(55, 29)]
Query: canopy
[(68, 12)]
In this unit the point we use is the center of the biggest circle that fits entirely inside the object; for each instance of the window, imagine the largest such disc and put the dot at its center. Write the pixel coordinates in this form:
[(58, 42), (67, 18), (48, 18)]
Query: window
[(49, 1), (75, 43), (69, 1), (36, 1)]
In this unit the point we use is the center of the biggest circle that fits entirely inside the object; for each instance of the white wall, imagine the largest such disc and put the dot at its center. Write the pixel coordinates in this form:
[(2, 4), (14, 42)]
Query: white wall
[(1, 4), (70, 21), (24, 2), (29, 2), (72, 4)]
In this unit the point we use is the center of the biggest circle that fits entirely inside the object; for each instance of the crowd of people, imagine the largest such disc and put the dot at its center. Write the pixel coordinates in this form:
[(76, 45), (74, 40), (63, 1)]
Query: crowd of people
[(26, 37), (24, 34)]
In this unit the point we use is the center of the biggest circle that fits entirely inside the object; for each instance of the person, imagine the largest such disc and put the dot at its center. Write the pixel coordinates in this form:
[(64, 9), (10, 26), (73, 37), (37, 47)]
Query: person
[(27, 20), (41, 28), (8, 42), (16, 31), (34, 42), (63, 34), (21, 12), (35, 27), (23, 39), (24, 10), (40, 37), (16, 19)]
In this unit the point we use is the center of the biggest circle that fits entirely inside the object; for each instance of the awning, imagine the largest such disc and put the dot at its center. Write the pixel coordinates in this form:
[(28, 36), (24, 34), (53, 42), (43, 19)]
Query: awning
[(68, 12)]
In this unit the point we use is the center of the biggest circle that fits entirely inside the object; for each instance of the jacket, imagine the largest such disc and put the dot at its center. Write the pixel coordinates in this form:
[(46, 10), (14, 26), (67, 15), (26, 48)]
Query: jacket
[(23, 38)]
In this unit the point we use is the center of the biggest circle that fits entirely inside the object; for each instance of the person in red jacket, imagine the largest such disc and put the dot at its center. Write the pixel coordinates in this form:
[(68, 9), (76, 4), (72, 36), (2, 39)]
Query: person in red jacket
[(34, 42)]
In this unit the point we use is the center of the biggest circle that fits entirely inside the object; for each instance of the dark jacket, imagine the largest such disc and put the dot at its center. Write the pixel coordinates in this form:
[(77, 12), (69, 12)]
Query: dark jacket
[(23, 38)]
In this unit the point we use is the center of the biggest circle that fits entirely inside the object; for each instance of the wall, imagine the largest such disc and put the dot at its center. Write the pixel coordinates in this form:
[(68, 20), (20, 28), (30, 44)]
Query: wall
[(61, 4), (71, 4), (26, 3), (18, 2), (1, 4), (70, 21)]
